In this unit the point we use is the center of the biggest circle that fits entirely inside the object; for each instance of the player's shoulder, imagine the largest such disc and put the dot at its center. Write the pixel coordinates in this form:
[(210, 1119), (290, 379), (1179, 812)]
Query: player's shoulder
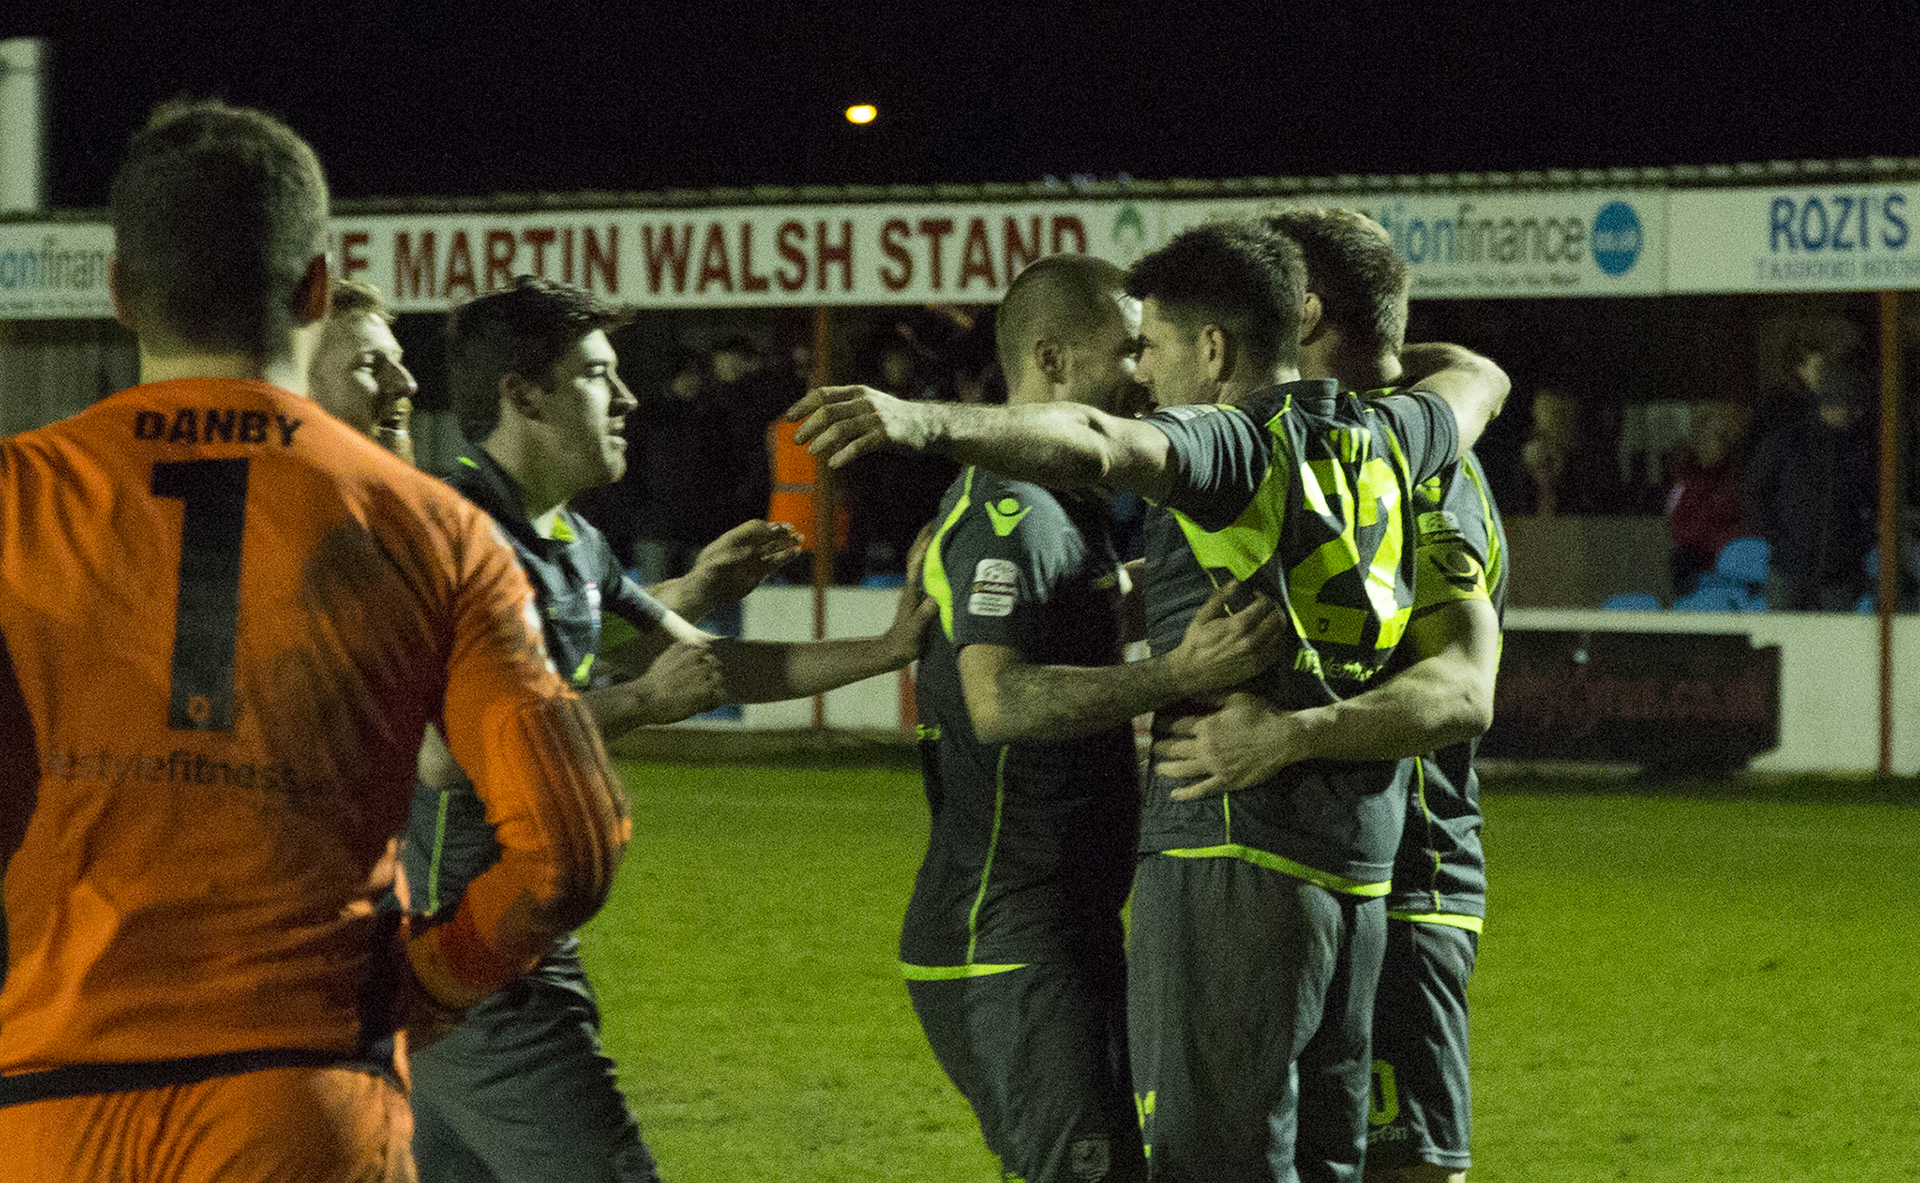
[(1015, 509)]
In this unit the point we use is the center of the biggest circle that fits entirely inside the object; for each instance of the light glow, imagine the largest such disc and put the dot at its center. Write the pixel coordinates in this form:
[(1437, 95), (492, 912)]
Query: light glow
[(862, 113)]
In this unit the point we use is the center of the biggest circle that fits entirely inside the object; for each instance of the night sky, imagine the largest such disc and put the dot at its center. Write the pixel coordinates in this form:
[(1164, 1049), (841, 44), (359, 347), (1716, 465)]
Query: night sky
[(421, 99)]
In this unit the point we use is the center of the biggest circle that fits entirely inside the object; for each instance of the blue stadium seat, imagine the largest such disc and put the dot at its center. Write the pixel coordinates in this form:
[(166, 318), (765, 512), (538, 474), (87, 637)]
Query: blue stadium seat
[(1632, 602), (1744, 560), (884, 580), (1712, 597)]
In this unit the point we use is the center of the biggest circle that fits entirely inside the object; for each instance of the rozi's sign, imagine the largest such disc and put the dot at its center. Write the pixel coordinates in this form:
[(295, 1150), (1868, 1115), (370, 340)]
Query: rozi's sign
[(1846, 238)]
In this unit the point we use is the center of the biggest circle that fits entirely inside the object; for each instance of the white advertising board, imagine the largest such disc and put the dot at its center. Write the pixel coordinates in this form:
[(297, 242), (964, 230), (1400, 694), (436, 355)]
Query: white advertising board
[(55, 270), (1846, 238), (1578, 242)]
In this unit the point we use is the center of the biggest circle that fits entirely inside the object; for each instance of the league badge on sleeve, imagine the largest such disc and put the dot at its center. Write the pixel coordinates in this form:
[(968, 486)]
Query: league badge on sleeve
[(996, 585)]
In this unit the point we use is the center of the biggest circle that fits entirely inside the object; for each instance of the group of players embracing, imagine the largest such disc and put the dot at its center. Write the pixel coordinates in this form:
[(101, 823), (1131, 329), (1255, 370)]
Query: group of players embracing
[(213, 974)]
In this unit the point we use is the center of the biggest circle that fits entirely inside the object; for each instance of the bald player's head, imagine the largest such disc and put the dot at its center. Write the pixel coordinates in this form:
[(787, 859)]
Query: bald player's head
[(1066, 330)]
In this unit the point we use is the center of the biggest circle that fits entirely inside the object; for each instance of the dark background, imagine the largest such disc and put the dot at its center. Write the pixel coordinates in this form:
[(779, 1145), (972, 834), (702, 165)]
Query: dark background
[(426, 99)]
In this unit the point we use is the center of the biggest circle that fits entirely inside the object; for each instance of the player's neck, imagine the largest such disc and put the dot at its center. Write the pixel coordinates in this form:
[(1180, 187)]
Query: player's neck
[(284, 372), (1238, 388), (542, 488)]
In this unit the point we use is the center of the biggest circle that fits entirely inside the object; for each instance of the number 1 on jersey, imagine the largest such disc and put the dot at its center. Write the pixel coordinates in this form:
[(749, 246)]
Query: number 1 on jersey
[(207, 625)]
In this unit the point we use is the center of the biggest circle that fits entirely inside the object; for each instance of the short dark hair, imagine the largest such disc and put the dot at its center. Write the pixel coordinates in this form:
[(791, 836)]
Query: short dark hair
[(1240, 276), (1059, 294), (1351, 266), (523, 330), (217, 213)]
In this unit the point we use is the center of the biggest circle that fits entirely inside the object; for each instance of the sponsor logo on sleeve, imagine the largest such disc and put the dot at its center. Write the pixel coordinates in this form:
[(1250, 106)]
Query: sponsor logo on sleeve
[(995, 588)]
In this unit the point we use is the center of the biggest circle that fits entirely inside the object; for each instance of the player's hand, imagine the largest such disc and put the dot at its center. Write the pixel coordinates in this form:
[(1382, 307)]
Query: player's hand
[(684, 681), (393, 432), (915, 607), (734, 564), (1237, 746), (841, 423), (1222, 650)]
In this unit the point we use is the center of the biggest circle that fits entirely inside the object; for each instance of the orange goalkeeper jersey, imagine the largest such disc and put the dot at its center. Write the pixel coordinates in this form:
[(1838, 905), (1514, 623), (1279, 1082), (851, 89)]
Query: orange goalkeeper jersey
[(227, 619)]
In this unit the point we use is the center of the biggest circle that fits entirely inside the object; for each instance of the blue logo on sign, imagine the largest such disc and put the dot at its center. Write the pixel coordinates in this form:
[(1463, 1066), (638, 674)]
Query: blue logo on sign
[(1616, 238)]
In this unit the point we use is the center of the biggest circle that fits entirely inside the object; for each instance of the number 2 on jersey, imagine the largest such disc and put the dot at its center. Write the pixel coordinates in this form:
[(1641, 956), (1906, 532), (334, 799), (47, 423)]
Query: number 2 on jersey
[(207, 625)]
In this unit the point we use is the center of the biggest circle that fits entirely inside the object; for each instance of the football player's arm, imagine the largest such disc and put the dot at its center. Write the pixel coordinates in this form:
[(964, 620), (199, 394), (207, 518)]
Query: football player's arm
[(1444, 698), (1060, 445), (729, 567), (1011, 699), (770, 671), (559, 814), (1472, 385)]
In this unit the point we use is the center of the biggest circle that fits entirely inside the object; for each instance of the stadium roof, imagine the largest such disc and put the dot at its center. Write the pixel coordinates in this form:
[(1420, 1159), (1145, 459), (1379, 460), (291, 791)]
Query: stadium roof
[(1876, 170)]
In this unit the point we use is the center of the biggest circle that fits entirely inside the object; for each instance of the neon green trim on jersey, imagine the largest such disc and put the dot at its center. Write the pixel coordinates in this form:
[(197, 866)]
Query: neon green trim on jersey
[(933, 569), (582, 670), (562, 531), (439, 845), (1452, 920), (469, 461), (993, 847), (1286, 866), (1005, 514), (1493, 536), (948, 973)]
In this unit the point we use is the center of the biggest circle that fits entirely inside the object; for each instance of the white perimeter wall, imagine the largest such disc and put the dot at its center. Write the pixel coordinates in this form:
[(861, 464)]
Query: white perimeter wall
[(1829, 671)]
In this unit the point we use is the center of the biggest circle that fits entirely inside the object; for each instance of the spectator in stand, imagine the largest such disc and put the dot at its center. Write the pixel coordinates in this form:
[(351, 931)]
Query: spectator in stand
[(1706, 505), (1810, 487), (1570, 457)]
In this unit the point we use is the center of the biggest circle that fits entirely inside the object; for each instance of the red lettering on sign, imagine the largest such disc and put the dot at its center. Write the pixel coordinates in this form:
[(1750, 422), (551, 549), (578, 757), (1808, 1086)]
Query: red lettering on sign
[(667, 252), (566, 255), (500, 251), (890, 235), (749, 282), (459, 266), (714, 264), (413, 275), (1021, 251), (1067, 224), (788, 242), (539, 240), (825, 256), (351, 260), (976, 258), (935, 229), (607, 262)]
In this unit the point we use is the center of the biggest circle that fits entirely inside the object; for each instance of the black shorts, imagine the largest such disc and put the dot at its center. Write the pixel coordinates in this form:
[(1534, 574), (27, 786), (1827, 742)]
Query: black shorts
[(1250, 995), (1040, 1052), (1422, 1109)]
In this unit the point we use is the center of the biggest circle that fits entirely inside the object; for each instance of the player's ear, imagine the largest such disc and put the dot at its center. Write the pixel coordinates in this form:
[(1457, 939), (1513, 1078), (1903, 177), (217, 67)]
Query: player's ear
[(1050, 358), (122, 307), (1217, 352), (311, 293), (1312, 316), (521, 396)]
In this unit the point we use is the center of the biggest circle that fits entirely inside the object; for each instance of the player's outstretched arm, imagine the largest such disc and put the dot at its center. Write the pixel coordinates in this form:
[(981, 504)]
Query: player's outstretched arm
[(1442, 699), (729, 567), (1059, 445), (1009, 699), (770, 671), (1472, 385)]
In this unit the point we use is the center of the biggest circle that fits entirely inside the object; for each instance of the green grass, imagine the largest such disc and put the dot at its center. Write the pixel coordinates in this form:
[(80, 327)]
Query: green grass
[(1709, 985)]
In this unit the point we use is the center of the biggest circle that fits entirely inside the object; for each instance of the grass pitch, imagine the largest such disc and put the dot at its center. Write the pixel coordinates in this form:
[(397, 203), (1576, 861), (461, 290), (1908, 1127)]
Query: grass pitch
[(1671, 987)]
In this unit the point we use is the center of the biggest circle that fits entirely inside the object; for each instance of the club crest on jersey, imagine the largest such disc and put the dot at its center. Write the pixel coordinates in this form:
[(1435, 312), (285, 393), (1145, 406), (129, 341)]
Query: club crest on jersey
[(996, 585), (1089, 1158), (1005, 514)]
